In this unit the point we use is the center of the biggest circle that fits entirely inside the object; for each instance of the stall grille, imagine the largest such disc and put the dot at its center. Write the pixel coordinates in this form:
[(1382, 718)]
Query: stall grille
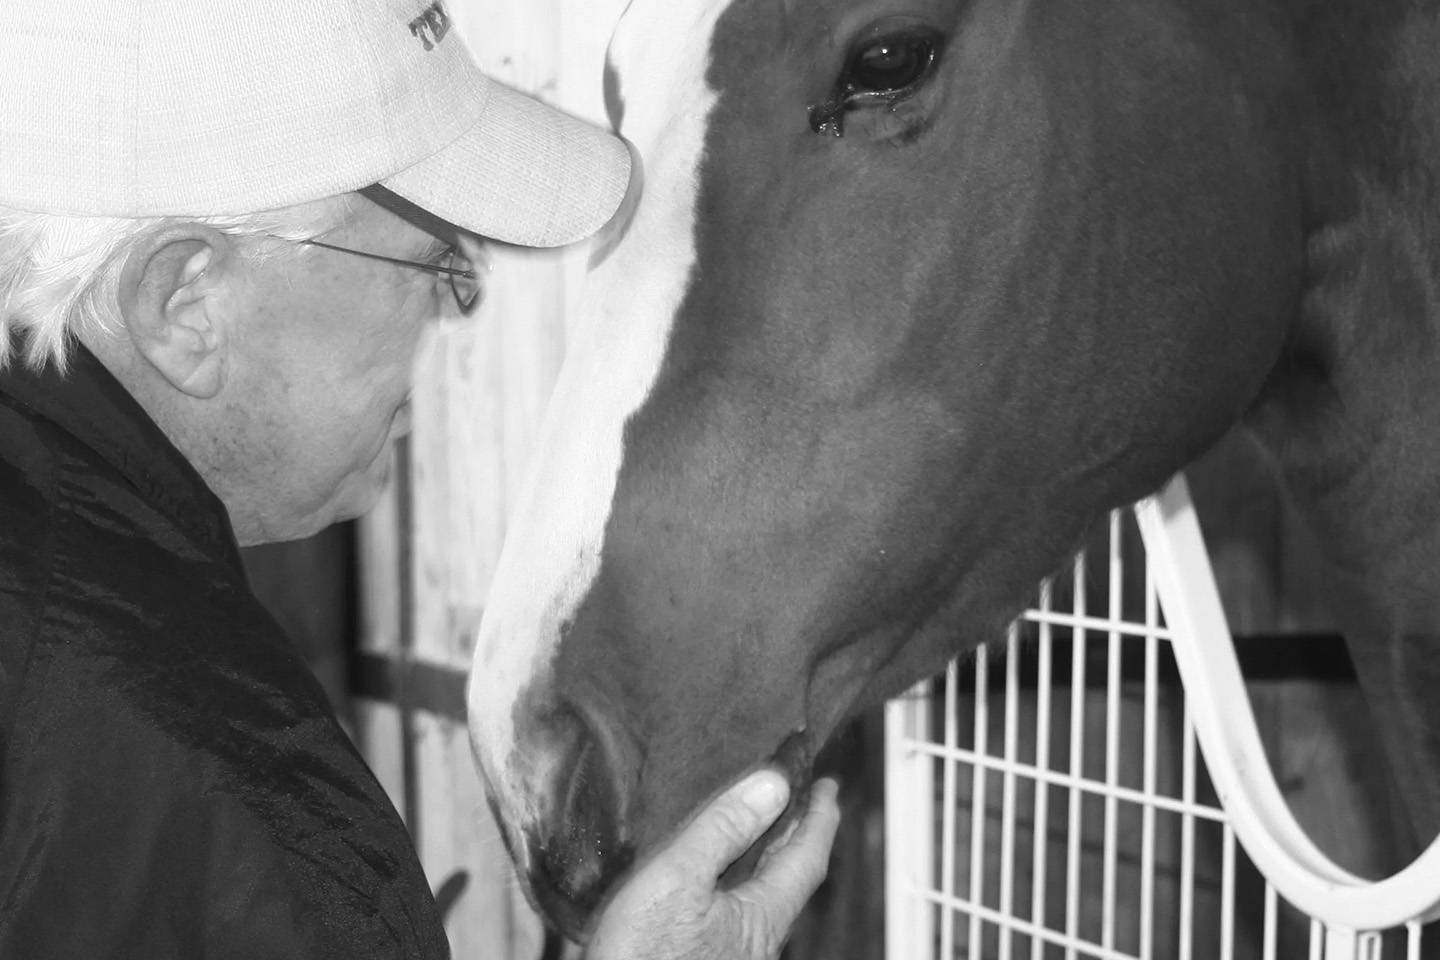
[(1048, 798)]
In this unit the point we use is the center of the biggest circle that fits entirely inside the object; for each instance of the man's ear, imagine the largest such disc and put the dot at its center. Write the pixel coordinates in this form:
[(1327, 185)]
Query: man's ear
[(173, 299)]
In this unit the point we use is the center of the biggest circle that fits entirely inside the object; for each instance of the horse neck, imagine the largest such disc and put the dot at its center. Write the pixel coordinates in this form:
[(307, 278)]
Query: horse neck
[(1352, 412)]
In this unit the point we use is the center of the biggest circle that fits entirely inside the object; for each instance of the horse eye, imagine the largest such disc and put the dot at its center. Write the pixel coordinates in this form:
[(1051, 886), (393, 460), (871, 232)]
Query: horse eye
[(882, 71), (889, 65)]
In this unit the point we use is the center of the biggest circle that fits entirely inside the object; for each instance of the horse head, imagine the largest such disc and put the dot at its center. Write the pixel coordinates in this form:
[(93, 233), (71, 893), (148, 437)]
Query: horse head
[(914, 291)]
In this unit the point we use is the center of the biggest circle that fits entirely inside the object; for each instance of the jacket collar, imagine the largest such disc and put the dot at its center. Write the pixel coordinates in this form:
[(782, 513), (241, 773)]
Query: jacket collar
[(88, 403)]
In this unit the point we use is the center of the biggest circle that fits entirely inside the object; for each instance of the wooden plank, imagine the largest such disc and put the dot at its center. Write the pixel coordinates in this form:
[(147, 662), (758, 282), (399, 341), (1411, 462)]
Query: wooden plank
[(429, 553), (378, 551)]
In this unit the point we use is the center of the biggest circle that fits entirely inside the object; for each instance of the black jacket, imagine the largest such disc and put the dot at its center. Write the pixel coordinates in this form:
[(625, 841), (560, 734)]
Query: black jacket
[(173, 783)]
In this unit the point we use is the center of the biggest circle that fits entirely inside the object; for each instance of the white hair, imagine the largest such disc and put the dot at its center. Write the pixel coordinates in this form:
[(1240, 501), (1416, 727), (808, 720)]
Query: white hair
[(60, 275)]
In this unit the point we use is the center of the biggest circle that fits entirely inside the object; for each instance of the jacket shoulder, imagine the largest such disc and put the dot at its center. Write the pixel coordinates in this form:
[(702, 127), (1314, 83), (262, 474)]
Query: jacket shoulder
[(27, 501)]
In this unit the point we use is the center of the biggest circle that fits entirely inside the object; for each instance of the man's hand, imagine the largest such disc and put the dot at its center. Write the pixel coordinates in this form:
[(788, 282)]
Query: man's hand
[(671, 909)]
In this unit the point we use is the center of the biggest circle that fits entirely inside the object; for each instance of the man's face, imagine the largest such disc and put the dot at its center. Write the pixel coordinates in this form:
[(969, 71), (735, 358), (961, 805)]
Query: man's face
[(320, 373)]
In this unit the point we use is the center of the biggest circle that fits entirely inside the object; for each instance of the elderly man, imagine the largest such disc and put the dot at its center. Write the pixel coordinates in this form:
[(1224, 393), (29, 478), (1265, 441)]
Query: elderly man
[(222, 228)]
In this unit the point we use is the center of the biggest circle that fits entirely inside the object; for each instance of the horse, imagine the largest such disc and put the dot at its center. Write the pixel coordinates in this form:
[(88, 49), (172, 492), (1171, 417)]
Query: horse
[(912, 293)]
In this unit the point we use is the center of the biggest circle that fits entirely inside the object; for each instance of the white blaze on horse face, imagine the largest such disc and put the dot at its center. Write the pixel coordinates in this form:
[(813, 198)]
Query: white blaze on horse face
[(552, 552)]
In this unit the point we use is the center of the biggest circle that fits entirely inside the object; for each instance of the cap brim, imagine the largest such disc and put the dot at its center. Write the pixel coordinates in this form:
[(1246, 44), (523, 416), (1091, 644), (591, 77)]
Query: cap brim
[(524, 173)]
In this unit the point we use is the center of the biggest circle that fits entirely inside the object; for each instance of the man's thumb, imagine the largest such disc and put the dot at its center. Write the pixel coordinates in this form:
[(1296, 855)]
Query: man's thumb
[(734, 820)]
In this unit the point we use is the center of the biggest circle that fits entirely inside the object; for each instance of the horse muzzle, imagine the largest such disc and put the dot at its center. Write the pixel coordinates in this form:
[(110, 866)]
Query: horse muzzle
[(579, 846)]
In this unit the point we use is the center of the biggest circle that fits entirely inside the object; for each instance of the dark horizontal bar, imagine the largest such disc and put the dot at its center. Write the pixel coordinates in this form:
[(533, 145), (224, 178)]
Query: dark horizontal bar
[(1263, 657), (410, 684)]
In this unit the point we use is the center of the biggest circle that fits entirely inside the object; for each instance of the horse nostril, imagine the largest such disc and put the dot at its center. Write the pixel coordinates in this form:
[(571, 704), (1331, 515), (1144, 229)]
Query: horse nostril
[(582, 848)]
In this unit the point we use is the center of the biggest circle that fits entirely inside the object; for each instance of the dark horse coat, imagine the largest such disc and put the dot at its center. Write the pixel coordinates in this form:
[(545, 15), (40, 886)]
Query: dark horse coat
[(915, 292)]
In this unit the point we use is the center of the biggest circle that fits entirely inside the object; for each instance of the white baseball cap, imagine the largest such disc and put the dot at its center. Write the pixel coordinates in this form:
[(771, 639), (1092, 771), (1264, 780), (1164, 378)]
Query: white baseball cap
[(139, 108)]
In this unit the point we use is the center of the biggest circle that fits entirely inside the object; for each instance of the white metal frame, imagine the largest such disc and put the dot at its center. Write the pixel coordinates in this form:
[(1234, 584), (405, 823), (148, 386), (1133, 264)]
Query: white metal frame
[(927, 897)]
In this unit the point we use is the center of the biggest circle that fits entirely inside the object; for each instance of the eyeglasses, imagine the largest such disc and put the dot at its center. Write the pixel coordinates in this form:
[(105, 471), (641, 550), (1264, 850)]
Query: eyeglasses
[(457, 268)]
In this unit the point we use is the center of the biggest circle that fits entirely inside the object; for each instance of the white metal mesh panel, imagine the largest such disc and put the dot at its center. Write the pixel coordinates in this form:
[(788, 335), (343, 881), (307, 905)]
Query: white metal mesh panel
[(1047, 799)]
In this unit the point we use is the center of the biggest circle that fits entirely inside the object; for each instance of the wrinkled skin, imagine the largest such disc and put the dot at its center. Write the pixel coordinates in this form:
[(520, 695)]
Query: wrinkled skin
[(854, 375)]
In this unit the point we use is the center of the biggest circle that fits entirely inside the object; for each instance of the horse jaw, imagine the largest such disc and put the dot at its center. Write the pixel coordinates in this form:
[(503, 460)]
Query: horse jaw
[(552, 549)]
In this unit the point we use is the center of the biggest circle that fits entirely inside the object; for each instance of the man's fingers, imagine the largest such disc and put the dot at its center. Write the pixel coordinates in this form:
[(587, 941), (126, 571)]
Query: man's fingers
[(670, 909), (726, 828), (792, 872)]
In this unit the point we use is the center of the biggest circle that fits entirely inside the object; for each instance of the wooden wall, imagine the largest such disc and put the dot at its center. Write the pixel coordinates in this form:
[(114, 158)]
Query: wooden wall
[(428, 554)]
